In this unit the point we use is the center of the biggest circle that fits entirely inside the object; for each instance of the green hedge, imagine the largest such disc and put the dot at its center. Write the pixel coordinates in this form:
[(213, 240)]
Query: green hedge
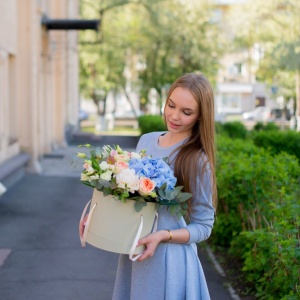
[(278, 141), (150, 123), (271, 255), (258, 214), (233, 129), (270, 126)]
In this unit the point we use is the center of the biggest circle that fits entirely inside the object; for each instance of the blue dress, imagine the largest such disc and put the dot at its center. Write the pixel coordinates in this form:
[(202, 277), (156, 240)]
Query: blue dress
[(174, 272)]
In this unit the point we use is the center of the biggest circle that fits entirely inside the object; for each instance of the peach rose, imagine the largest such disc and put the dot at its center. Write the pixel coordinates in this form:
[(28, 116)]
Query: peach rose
[(119, 166), (146, 186), (122, 157)]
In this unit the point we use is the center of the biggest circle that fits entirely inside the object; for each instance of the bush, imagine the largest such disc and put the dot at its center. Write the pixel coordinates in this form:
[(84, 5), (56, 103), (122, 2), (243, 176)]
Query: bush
[(233, 129), (271, 255), (248, 178), (260, 126), (258, 215), (150, 123), (226, 145), (278, 141)]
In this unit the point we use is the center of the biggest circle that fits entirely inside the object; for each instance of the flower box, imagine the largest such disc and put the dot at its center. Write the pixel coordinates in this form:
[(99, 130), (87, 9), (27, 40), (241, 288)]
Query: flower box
[(115, 226)]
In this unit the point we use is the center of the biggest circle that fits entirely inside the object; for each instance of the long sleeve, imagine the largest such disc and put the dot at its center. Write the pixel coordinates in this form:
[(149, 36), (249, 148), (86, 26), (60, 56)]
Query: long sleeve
[(202, 211)]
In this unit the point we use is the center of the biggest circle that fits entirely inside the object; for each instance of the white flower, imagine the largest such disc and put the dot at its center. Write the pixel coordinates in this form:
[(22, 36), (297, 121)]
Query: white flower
[(106, 176), (119, 166), (84, 177), (122, 157), (94, 177), (104, 165), (135, 155), (106, 151), (90, 170), (128, 180)]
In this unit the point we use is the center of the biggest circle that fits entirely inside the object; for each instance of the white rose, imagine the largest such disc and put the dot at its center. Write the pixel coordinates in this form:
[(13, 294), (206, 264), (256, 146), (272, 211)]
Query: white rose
[(94, 177), (128, 180), (106, 176), (135, 155), (103, 165), (84, 177), (90, 170)]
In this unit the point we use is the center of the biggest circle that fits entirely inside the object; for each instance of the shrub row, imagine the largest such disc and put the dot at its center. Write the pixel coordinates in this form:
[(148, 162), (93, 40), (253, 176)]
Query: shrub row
[(258, 214), (150, 123), (267, 136)]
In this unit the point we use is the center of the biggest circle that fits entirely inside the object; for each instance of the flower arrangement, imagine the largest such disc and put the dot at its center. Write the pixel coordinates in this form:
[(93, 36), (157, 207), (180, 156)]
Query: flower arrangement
[(132, 175)]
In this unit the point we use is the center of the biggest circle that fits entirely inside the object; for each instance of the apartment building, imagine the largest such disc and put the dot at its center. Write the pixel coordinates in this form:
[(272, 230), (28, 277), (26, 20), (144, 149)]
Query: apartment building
[(237, 90), (39, 95)]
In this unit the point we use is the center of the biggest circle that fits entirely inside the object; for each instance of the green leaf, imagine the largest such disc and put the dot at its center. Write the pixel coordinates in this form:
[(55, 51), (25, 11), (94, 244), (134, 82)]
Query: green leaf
[(183, 197), (138, 205), (95, 164), (87, 183), (98, 186), (107, 191)]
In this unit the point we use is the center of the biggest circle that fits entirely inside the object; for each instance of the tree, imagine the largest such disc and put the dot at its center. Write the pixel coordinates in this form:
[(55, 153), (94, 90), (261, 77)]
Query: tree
[(146, 44), (275, 25)]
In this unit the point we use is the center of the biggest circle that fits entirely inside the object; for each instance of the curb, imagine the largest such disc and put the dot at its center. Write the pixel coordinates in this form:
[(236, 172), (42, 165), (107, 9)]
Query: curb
[(232, 292)]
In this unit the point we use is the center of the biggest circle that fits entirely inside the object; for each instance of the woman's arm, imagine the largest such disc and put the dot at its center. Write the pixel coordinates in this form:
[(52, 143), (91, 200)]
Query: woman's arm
[(202, 212), (151, 241)]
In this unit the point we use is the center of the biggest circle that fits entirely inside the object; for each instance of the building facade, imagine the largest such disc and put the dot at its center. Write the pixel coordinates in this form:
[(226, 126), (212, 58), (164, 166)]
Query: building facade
[(39, 95), (237, 90)]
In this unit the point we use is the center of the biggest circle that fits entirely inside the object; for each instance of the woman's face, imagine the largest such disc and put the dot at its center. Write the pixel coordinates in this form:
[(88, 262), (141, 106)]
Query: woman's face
[(181, 111)]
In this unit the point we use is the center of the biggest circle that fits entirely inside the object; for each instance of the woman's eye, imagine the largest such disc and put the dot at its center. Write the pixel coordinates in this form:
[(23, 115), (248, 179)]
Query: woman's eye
[(170, 105), (187, 113)]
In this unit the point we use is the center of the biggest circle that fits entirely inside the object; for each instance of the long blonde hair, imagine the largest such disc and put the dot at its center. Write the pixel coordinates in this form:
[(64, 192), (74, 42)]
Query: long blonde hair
[(202, 139)]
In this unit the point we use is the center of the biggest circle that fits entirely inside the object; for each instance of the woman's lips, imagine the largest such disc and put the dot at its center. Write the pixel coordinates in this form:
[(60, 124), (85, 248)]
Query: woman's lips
[(173, 125)]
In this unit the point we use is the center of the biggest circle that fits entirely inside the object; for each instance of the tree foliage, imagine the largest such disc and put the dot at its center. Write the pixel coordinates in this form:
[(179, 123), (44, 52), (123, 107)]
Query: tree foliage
[(275, 26), (146, 44)]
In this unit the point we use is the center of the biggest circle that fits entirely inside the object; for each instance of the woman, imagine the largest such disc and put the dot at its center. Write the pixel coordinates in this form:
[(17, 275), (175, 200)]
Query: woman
[(169, 267)]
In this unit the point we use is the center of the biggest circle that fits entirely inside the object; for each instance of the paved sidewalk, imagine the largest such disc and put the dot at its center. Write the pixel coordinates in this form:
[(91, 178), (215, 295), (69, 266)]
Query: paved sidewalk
[(40, 252)]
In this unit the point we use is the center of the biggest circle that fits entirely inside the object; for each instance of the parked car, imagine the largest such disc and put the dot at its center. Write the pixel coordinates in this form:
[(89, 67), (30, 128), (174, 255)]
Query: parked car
[(260, 113), (278, 113)]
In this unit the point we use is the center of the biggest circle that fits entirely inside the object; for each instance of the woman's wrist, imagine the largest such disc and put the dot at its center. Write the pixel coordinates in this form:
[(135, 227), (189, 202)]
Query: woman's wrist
[(166, 235)]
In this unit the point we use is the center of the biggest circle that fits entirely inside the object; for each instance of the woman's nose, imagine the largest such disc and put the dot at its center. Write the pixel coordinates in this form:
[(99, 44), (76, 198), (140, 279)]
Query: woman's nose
[(175, 115)]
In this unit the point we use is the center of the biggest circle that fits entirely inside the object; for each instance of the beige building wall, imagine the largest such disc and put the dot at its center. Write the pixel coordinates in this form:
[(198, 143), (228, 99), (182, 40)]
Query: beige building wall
[(38, 78)]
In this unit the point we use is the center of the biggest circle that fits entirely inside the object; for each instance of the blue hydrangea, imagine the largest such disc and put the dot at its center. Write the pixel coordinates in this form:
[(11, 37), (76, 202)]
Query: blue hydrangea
[(155, 169)]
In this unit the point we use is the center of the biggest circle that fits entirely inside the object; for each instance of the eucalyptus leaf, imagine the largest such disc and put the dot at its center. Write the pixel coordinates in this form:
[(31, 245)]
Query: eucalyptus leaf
[(138, 205), (106, 191), (87, 183), (184, 197), (98, 185), (105, 183)]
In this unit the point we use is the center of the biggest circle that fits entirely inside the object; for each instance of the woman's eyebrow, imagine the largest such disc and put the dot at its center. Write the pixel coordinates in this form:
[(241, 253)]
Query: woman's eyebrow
[(185, 108)]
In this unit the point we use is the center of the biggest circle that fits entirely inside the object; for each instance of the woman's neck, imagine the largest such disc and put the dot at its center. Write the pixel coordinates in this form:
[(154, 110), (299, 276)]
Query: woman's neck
[(169, 139)]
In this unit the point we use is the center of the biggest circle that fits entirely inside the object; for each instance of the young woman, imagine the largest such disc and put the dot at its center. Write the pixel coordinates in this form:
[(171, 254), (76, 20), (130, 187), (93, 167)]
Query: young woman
[(169, 268)]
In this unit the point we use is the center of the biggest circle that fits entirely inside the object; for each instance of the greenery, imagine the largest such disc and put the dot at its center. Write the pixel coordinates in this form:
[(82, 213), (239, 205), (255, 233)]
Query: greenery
[(272, 28), (279, 141), (270, 126), (258, 213), (234, 129), (150, 123), (146, 44)]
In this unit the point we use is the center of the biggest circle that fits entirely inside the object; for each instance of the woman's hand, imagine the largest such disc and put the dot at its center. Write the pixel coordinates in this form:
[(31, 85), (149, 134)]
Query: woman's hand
[(150, 242), (82, 225)]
